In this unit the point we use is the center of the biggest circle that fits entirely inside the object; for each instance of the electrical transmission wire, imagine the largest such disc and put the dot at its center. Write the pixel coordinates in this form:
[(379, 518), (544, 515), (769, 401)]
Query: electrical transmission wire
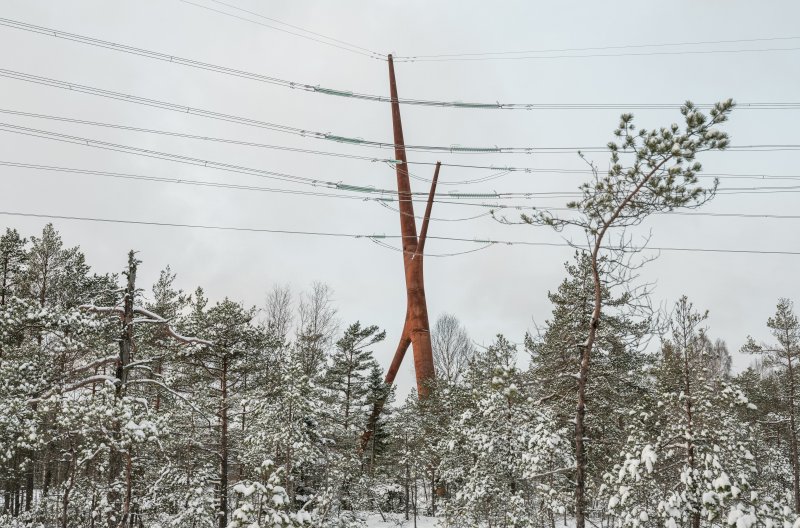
[(117, 126), (220, 185), (341, 44), (117, 147), (280, 176), (388, 162), (520, 56), (383, 201), (452, 149), (601, 48), (202, 183), (225, 70), (454, 254), (379, 236), (259, 15)]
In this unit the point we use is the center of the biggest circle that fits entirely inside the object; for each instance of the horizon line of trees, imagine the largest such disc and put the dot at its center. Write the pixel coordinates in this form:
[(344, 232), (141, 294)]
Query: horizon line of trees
[(121, 408)]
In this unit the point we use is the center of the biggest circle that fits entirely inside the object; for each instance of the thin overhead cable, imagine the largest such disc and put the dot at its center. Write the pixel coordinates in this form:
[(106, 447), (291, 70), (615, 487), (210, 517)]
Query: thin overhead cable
[(259, 15), (600, 48), (453, 149), (500, 171), (222, 185), (384, 204), (454, 254), (383, 201), (116, 147), (378, 236), (243, 120), (420, 58), (173, 59), (372, 159), (329, 42)]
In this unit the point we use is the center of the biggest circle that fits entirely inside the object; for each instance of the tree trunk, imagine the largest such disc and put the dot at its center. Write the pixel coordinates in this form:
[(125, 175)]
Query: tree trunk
[(793, 437), (580, 433), (223, 441), (689, 425), (122, 371), (67, 489)]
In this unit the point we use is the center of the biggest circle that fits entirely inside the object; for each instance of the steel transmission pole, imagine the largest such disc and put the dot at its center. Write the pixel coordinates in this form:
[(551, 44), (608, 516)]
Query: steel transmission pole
[(416, 328)]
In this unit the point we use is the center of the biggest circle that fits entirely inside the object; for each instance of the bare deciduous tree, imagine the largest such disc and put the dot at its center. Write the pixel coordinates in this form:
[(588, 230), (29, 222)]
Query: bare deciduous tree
[(279, 310), (317, 326), (452, 348)]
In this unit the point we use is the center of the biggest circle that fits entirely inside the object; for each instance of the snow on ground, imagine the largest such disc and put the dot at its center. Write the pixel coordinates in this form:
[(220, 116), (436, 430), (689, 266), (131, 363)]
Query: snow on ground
[(395, 520)]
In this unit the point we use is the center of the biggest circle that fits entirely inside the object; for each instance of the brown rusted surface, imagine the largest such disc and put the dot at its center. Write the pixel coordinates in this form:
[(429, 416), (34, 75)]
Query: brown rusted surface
[(423, 233), (417, 312), (416, 327)]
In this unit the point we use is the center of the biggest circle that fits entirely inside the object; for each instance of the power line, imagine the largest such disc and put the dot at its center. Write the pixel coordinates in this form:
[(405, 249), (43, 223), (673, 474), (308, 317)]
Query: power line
[(453, 149), (464, 219), (383, 201), (377, 236), (601, 55), (601, 48), (281, 176), (348, 47), (259, 15), (54, 83), (116, 147), (389, 162), (173, 59), (372, 159), (220, 185), (453, 254)]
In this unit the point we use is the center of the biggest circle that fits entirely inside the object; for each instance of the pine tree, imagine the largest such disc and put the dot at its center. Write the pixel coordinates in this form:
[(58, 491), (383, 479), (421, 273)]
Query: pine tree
[(689, 455), (346, 379), (503, 456), (784, 357), (618, 367), (221, 368), (649, 173), (377, 391), (13, 255)]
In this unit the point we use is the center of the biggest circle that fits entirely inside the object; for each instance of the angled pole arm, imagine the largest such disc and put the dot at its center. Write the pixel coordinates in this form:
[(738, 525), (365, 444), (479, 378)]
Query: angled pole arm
[(426, 219)]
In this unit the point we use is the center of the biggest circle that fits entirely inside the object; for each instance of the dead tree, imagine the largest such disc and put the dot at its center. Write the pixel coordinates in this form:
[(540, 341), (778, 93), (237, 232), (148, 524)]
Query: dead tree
[(129, 315)]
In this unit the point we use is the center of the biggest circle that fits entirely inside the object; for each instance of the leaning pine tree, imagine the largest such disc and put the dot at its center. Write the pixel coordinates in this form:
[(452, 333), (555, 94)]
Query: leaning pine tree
[(651, 171)]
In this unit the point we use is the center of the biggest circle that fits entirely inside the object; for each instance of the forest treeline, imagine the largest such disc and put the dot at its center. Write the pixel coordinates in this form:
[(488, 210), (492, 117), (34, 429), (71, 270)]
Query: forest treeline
[(130, 406)]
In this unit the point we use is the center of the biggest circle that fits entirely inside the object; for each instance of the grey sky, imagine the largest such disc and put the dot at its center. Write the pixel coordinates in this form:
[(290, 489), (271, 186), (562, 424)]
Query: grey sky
[(498, 290)]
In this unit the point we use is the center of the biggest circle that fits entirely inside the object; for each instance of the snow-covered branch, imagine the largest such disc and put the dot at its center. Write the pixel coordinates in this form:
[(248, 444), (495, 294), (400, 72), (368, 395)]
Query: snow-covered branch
[(149, 317)]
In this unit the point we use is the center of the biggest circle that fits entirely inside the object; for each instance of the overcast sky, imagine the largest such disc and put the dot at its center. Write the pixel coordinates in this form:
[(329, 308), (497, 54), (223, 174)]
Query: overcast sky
[(502, 289)]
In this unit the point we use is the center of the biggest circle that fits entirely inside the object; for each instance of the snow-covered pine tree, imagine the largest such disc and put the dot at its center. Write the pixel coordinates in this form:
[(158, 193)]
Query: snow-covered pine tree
[(378, 392), (346, 381), (12, 264), (618, 369), (219, 373), (689, 456), (504, 457), (650, 172), (783, 358)]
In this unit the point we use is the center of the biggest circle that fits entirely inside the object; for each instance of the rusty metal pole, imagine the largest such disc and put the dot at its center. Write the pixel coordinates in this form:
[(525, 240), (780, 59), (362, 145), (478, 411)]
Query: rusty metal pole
[(417, 313), (405, 337), (423, 232), (416, 328)]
